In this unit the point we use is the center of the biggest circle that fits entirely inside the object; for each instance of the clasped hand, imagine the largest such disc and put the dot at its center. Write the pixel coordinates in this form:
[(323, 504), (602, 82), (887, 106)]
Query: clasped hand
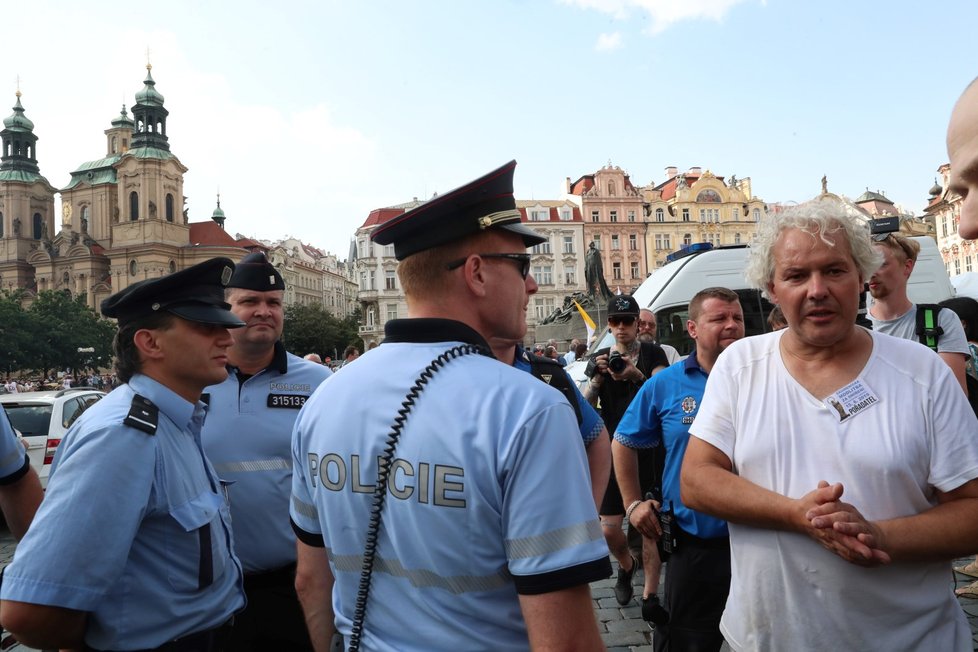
[(840, 528)]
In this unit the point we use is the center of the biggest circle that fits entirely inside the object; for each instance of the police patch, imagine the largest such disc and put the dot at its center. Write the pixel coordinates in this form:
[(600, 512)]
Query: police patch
[(689, 405)]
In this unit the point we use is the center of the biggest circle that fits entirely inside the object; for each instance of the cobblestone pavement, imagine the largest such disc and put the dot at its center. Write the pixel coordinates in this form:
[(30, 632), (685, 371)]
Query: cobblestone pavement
[(622, 628)]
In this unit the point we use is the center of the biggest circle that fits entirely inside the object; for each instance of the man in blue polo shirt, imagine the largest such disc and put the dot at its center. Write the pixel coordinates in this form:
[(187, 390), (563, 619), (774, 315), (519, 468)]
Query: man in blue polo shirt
[(248, 438), (698, 575)]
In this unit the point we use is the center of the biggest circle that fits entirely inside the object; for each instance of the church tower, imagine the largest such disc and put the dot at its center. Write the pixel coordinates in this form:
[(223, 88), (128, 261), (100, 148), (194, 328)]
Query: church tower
[(26, 201)]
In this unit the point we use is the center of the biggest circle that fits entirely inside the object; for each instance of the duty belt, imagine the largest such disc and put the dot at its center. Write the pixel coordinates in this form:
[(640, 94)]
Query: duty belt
[(280, 577), (211, 640)]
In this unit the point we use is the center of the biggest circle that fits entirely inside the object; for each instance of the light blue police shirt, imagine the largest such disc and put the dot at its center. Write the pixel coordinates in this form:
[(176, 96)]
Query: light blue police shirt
[(120, 529), (488, 498), (591, 423), (248, 439), (14, 462), (663, 410)]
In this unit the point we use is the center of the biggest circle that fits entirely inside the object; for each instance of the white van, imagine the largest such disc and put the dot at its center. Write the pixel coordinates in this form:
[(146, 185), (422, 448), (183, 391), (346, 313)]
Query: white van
[(668, 291)]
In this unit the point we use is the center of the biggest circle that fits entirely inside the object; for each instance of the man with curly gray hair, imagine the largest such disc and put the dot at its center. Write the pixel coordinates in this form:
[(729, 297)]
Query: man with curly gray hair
[(843, 459)]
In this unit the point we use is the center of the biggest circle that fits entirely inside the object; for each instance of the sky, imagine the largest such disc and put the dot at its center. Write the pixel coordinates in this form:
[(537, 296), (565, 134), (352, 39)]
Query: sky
[(306, 116)]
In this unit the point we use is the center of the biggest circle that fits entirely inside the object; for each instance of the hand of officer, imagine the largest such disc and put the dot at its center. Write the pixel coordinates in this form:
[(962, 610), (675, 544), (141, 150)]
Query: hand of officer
[(645, 518)]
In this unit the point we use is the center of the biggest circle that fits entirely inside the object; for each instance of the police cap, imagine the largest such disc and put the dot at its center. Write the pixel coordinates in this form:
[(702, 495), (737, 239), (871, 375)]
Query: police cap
[(254, 272), (486, 203), (195, 294)]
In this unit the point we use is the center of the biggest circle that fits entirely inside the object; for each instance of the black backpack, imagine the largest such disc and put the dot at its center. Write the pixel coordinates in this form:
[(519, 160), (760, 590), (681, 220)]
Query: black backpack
[(929, 333)]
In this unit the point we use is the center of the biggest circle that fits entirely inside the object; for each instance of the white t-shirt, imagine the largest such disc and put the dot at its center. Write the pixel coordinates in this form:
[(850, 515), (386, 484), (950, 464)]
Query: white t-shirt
[(900, 430)]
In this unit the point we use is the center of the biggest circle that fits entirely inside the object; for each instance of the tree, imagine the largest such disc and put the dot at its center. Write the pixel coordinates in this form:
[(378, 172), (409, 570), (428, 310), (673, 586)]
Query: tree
[(312, 329), (18, 337), (61, 326)]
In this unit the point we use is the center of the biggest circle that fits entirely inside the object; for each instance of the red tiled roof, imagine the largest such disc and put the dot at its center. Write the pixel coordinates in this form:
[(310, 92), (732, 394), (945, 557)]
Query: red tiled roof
[(668, 187), (381, 215), (582, 185), (210, 233), (251, 245)]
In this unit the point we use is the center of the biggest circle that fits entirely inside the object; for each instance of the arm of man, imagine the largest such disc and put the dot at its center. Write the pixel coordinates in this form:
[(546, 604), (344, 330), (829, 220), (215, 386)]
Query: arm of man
[(957, 361), (314, 586), (708, 484), (561, 620), (42, 626), (19, 501), (599, 465), (643, 516)]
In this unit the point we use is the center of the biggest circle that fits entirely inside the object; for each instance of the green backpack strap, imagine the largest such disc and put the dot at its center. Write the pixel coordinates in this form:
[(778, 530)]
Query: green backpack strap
[(929, 330)]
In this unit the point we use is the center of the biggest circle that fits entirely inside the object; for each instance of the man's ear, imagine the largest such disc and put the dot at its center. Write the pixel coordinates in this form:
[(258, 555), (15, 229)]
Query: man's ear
[(148, 344), (475, 273)]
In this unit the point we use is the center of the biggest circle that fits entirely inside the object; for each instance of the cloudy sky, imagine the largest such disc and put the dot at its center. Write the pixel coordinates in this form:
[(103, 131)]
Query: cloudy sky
[(307, 115)]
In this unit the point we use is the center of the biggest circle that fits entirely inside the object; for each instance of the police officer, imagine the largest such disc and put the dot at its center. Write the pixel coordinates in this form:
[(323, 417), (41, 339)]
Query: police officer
[(20, 488), (248, 437), (487, 535), (131, 548)]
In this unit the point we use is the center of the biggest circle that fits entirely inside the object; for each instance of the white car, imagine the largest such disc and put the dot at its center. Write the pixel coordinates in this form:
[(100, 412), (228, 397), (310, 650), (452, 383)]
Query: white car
[(42, 418)]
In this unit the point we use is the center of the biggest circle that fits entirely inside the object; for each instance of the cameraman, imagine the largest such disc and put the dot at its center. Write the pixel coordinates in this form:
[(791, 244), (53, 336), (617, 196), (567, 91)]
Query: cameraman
[(616, 374)]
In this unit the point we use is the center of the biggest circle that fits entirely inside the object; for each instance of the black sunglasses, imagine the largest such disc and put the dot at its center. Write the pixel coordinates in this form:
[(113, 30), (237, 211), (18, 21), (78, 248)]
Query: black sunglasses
[(627, 321), (522, 261)]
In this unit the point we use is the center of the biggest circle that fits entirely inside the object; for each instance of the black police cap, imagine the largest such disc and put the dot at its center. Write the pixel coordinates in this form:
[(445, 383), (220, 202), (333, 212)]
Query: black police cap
[(195, 294), (254, 272), (623, 305), (486, 203)]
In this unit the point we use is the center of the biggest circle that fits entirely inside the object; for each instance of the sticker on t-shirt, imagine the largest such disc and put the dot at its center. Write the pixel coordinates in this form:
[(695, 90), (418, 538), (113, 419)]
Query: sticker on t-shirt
[(852, 399)]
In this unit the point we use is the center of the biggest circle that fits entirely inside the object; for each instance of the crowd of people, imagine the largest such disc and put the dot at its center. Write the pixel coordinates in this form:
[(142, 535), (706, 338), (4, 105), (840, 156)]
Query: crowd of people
[(452, 489)]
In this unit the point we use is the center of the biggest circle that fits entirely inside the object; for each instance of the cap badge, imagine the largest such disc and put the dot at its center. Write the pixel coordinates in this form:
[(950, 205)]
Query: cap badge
[(226, 275), (621, 304), (271, 279), (155, 307), (485, 222)]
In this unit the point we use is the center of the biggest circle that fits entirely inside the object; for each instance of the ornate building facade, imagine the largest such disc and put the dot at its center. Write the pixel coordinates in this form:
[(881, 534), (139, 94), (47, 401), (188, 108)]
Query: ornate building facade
[(313, 277), (557, 265), (122, 215), (944, 209)]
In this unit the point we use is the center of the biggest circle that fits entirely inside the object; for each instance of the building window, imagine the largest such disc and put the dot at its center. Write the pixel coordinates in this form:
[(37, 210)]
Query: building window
[(967, 261), (361, 249), (615, 245), (667, 241), (390, 279), (614, 216), (169, 207), (539, 216), (542, 248), (172, 266), (631, 216), (1, 224), (687, 239), (635, 271), (565, 215), (570, 275), (736, 238), (594, 216), (370, 317), (133, 206), (388, 251), (685, 215), (543, 274), (757, 214), (660, 215), (391, 311), (658, 242), (633, 242), (944, 227), (597, 241), (611, 188), (957, 266), (616, 271), (371, 280), (132, 267), (568, 244), (363, 281), (702, 215), (543, 306)]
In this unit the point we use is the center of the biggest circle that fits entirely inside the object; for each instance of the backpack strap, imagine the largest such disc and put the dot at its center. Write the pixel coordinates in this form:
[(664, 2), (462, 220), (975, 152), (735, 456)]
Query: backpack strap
[(550, 372), (928, 329)]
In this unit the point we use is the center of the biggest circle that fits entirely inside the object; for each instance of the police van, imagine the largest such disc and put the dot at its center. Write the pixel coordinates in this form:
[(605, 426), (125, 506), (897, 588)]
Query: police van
[(668, 291)]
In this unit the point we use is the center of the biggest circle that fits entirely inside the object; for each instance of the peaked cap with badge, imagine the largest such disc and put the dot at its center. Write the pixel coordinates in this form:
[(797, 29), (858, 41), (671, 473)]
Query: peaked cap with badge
[(254, 272), (195, 294), (623, 305), (486, 203)]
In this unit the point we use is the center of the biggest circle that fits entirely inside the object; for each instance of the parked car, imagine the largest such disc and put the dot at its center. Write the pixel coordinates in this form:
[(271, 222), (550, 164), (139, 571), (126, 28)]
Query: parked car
[(42, 418)]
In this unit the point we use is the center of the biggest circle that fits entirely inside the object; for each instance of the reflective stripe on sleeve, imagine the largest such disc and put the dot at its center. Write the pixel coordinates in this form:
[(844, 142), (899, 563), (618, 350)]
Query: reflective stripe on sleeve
[(305, 509), (253, 465), (549, 542), (424, 579)]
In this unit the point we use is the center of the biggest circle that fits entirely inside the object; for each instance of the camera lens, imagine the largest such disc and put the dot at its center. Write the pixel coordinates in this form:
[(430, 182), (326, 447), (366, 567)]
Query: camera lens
[(616, 363)]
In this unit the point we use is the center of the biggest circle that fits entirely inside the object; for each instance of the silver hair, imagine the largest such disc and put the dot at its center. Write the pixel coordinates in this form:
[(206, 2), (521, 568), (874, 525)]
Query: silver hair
[(820, 218)]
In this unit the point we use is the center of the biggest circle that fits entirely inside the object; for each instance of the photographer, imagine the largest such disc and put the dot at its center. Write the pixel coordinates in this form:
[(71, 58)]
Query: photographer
[(616, 374)]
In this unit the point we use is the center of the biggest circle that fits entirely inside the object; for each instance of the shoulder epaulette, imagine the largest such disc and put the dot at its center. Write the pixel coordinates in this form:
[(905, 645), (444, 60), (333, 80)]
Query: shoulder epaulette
[(549, 371), (143, 415)]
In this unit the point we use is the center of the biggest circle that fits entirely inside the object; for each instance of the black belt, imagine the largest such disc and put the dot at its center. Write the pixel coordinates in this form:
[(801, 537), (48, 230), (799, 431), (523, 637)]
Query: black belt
[(692, 541), (211, 640), (278, 578)]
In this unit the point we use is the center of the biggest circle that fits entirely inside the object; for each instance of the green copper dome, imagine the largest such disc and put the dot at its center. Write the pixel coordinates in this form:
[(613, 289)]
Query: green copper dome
[(218, 212), (149, 95), (123, 119), (18, 121)]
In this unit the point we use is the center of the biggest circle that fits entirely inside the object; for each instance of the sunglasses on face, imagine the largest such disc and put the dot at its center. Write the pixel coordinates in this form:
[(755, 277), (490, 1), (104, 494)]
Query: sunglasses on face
[(615, 321), (522, 261)]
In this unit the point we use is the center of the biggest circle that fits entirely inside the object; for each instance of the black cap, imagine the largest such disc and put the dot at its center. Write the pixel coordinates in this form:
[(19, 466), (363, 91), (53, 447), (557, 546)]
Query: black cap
[(623, 305), (254, 272), (486, 203), (195, 294)]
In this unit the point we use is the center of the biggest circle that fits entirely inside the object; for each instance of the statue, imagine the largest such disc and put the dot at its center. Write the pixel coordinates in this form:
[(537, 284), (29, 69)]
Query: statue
[(566, 312), (594, 276), (733, 181), (681, 182), (825, 185), (152, 208), (17, 226)]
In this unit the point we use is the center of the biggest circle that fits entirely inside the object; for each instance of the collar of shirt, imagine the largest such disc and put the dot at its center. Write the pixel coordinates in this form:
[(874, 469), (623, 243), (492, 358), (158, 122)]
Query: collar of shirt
[(692, 364), (429, 330), (175, 407)]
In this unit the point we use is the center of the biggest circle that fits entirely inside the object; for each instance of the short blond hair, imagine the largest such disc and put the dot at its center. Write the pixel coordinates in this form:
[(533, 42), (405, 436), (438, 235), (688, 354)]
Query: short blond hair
[(425, 275), (902, 245)]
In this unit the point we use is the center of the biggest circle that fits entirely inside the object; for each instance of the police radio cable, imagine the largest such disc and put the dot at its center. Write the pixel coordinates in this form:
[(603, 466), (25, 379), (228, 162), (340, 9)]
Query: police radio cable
[(383, 472)]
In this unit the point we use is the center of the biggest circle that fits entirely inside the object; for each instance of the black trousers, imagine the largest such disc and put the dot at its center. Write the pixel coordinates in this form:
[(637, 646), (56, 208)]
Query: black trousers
[(697, 584), (273, 619)]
